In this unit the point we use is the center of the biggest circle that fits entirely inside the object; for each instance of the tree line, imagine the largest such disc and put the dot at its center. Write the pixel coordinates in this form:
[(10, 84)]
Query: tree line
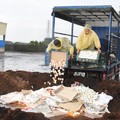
[(32, 46)]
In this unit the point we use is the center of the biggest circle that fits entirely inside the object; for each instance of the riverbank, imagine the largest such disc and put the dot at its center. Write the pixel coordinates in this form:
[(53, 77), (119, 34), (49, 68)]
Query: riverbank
[(27, 61)]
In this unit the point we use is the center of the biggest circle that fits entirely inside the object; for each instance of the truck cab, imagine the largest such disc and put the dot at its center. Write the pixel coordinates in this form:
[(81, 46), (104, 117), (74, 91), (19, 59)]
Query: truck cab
[(2, 36), (105, 22)]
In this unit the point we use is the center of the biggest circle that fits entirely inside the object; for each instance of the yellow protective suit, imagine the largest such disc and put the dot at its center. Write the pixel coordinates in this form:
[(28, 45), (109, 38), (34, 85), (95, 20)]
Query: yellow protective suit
[(65, 45), (87, 42)]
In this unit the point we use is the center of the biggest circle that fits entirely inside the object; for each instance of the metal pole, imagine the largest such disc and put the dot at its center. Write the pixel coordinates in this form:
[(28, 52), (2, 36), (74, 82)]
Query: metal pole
[(109, 34), (3, 37), (109, 43), (53, 25), (117, 54), (72, 29)]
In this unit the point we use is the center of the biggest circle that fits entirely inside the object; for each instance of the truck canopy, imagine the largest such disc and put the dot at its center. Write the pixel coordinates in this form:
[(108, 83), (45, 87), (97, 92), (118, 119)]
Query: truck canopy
[(94, 15)]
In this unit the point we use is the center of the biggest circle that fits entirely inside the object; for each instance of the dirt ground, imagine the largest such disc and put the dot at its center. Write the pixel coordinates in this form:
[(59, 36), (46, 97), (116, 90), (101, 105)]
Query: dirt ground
[(17, 80)]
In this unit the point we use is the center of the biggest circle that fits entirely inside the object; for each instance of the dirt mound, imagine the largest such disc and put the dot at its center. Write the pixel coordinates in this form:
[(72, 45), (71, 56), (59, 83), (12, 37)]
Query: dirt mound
[(17, 80), (8, 114)]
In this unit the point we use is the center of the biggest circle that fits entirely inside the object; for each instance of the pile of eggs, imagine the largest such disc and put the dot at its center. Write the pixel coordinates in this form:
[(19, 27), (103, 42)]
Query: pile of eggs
[(86, 94)]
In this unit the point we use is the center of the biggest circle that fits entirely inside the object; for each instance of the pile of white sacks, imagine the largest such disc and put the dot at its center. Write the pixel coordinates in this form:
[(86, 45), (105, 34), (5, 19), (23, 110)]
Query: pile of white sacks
[(59, 100)]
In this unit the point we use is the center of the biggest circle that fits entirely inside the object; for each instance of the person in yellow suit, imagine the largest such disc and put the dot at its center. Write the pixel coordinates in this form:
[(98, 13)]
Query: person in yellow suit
[(62, 44), (88, 40)]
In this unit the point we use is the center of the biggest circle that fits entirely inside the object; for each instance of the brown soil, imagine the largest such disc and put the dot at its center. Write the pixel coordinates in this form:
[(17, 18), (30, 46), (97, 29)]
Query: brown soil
[(17, 80)]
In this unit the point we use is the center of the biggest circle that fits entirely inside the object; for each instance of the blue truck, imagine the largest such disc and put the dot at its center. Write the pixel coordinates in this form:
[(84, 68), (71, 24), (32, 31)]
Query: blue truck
[(105, 22), (2, 36)]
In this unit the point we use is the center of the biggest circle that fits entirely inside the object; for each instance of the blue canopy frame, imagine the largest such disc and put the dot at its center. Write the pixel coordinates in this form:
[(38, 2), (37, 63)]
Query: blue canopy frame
[(96, 16)]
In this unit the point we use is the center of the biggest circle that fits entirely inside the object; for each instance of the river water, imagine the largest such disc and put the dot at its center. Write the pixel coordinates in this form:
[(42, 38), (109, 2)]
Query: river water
[(33, 62)]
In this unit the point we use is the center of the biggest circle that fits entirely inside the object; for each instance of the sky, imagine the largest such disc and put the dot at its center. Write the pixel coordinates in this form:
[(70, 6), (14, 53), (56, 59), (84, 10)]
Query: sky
[(27, 20)]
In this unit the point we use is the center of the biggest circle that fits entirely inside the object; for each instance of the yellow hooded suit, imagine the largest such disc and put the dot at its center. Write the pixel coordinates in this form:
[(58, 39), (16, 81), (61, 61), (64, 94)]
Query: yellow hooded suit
[(89, 41), (65, 45)]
